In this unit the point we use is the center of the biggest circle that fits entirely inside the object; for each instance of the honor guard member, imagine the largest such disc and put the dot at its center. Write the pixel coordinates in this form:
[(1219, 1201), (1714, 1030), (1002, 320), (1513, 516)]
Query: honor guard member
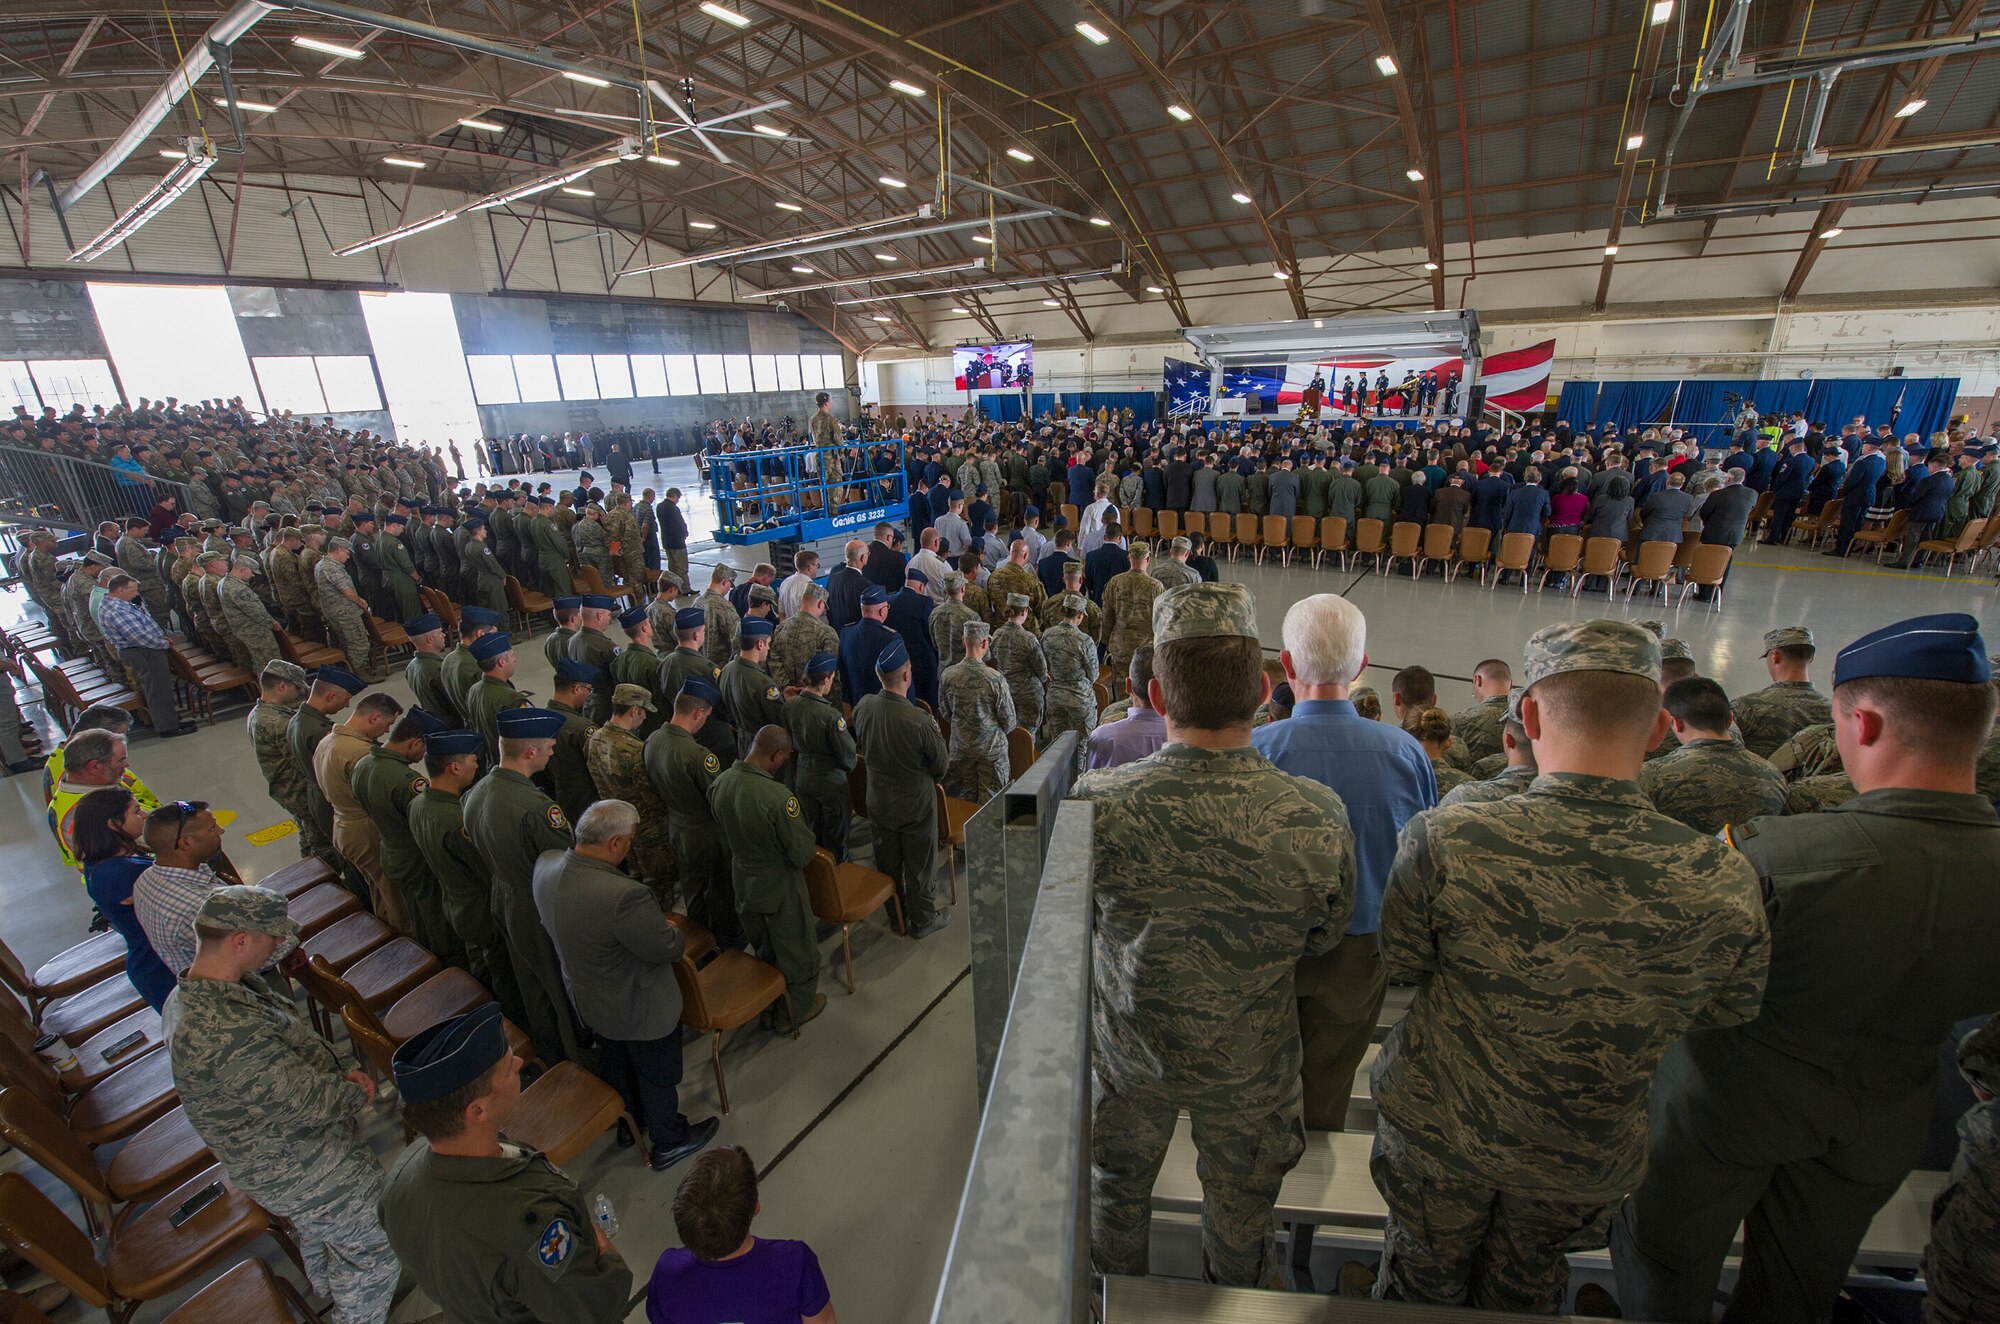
[(1195, 947), (752, 697), (1017, 656), (281, 689), (568, 779), (495, 693), (1790, 703), (1072, 694), (555, 645), (1885, 915), (593, 647), (974, 702), (690, 662), (386, 780), (683, 770), (276, 1104), (485, 1223), (465, 884), (1710, 781), (906, 759), (637, 664), (616, 754), (459, 667), (721, 617), (512, 823), (333, 688), (425, 671), (770, 844), (823, 749), (1560, 941)]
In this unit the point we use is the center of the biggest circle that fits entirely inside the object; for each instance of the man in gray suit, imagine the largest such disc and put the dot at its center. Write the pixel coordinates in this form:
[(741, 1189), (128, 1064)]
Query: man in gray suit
[(1664, 511), (618, 952)]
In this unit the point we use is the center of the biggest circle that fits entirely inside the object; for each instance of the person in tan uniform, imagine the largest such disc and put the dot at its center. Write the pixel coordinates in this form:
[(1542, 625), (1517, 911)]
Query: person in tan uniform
[(354, 832)]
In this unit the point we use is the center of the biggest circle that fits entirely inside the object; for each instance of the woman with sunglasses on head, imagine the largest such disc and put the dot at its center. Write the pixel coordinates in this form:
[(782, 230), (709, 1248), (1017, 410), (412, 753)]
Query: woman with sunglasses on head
[(108, 824)]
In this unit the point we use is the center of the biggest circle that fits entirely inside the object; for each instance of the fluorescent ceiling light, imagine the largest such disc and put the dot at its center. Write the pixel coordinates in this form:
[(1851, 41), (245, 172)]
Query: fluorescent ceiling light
[(1156, 289), (982, 239), (555, 179), (1833, 233), (664, 160), (173, 153), (870, 278), (255, 107), (1430, 266), (1414, 175), (880, 317), (588, 80), (1662, 11), (487, 125), (1611, 250), (399, 233), (1020, 155), (315, 44), (890, 181), (1243, 198), (729, 16), (1909, 108), (960, 311), (803, 271), (1005, 282), (1093, 32), (701, 225), (1387, 64), (1181, 113), (788, 206), (1051, 303), (576, 192), (403, 161), (184, 175), (1100, 222), (769, 130), (907, 89), (885, 257), (1635, 142), (1280, 275)]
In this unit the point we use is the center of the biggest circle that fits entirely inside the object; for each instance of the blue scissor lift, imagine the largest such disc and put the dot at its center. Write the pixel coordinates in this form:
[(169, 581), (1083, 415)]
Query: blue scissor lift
[(778, 496)]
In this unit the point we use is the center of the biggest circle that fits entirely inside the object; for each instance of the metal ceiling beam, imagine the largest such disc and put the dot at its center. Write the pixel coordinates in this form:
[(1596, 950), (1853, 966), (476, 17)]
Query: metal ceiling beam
[(1638, 100)]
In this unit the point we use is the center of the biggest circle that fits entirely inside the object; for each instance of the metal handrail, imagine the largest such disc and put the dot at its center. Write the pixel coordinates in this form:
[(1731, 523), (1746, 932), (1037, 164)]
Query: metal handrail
[(61, 491)]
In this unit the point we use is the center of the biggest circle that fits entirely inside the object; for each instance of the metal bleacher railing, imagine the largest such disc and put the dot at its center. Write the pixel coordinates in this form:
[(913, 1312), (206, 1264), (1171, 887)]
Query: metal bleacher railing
[(63, 492)]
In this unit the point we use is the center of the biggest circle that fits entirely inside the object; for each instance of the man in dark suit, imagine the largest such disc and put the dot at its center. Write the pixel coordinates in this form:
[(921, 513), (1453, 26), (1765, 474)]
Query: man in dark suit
[(1725, 515), (1663, 513), (1527, 507), (885, 564), (910, 617), (1489, 499), (1788, 488), (1106, 562), (1857, 492), (844, 587), (1929, 497), (618, 953), (1452, 504)]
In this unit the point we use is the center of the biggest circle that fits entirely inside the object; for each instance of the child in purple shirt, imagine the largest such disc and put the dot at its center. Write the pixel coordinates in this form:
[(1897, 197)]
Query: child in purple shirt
[(724, 1275)]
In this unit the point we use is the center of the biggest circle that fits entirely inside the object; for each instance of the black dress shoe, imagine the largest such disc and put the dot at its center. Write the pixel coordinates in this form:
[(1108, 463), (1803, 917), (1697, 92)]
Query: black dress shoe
[(699, 1134), (177, 731), (625, 1137)]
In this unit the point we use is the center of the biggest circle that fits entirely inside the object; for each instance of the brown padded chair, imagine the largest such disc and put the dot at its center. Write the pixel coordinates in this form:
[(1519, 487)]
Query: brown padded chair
[(1332, 538), (1564, 554), (846, 894), (448, 993), (1247, 535), (1195, 521), (528, 604), (248, 1294), (1139, 522), (1517, 551), (147, 1258), (81, 1015), (727, 993), (1405, 539), (1475, 547), (341, 945), (1705, 570), (1438, 539), (1654, 564), (1305, 533), (1600, 557), (91, 1063), (1951, 549), (1221, 530), (202, 685), (1880, 538), (1072, 515), (1168, 524), (1020, 751), (163, 1156), (130, 1098), (322, 907), (305, 653), (1368, 540), (75, 969), (857, 784), (1102, 692), (1276, 537), (952, 816), (377, 980), (297, 877), (559, 1114)]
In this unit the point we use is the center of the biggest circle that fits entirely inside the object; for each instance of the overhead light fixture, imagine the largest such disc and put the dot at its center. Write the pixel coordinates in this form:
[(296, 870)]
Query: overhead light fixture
[(1101, 222), (664, 160), (1414, 175), (1020, 155), (184, 175), (1430, 266), (1387, 64), (861, 234), (588, 80), (1282, 275), (1181, 113), (1093, 32), (1909, 108), (1634, 142), (173, 153), (1611, 250), (1662, 11), (890, 181), (487, 125), (401, 232), (576, 192), (1832, 233), (885, 257), (982, 239), (701, 225), (880, 317), (555, 179), (1005, 282), (1156, 289), (729, 16), (803, 271), (870, 278), (330, 48), (788, 206), (1051, 303), (403, 161), (769, 130), (1243, 198), (255, 107), (960, 311), (907, 89)]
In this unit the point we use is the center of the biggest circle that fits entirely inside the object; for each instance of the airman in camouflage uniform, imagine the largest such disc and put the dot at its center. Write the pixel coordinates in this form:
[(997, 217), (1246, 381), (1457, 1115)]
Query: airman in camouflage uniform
[(1199, 927), (1172, 570), (1128, 610), (621, 527), (1560, 942), (245, 616), (617, 757), (1477, 729), (270, 720), (974, 700), (340, 605), (1809, 753), (1093, 616), (276, 1105), (288, 581), (1771, 716), (215, 568), (948, 621), (1072, 695), (1962, 1263), (723, 618), (44, 583), (1016, 655), (803, 636), (141, 562), (1515, 773), (1710, 781), (1014, 576), (593, 544)]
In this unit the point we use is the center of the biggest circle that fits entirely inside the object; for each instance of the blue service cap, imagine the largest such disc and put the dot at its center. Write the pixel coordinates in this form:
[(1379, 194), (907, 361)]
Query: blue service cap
[(1946, 646), (822, 664), (916, 576), (341, 677), (894, 657), (874, 596), (569, 671), (690, 618), (453, 743), (475, 521), (423, 624), (1032, 512), (484, 617), (395, 517), (364, 517), (632, 617), (694, 687), (489, 646), (600, 602), (568, 602), (450, 1055), (529, 724), (757, 627), (427, 721)]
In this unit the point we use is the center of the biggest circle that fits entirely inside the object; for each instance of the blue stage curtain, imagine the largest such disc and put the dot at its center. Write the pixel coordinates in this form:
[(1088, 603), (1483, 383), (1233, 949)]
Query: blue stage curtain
[(1578, 405), (1927, 403), (1836, 401), (1634, 404), (1702, 410)]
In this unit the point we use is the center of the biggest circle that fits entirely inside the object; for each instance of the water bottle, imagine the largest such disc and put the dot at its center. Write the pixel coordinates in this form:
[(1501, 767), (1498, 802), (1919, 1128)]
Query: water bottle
[(607, 1217)]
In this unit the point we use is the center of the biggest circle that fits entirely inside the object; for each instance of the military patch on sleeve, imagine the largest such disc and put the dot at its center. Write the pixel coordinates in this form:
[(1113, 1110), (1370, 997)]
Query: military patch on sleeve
[(557, 820), (711, 764), (417, 786), (770, 691), (840, 723), (791, 806), (556, 1244)]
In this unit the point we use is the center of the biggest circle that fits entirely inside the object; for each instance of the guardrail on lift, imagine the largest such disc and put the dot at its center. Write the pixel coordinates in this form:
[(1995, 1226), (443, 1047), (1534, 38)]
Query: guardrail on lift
[(63, 492)]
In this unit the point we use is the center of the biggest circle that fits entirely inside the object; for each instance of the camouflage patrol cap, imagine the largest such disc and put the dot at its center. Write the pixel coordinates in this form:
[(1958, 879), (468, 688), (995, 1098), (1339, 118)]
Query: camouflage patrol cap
[(249, 910), (340, 545), (974, 631), (763, 593), (245, 561), (1514, 704), (1595, 645), (1072, 568), (1204, 611), (289, 672), (1979, 1057), (1788, 636), (1180, 544), (953, 579), (669, 577), (1138, 549), (1655, 628), (1675, 648), (632, 696), (1073, 604), (815, 593), (1017, 602)]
